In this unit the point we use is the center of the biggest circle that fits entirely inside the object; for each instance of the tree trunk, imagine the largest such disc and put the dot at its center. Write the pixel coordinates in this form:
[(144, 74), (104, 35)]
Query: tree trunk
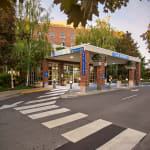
[(27, 80), (12, 79)]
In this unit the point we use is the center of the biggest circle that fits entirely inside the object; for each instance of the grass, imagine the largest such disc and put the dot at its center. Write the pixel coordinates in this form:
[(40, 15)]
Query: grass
[(2, 89)]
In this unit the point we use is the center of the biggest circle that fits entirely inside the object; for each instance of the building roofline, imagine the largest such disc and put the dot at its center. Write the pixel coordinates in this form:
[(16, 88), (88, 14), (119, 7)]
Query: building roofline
[(95, 49)]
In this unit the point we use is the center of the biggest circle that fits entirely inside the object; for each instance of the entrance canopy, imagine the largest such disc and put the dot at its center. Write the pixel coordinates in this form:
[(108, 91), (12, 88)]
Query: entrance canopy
[(72, 54)]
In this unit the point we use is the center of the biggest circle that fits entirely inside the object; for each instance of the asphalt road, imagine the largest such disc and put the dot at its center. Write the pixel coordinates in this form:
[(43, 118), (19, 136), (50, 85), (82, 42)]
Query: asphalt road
[(95, 121)]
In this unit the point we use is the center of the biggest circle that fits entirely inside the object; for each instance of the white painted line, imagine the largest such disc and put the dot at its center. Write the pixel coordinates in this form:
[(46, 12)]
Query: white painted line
[(135, 90), (86, 130), (125, 98), (64, 120), (43, 100), (124, 141), (35, 105), (58, 89), (27, 111), (56, 92), (51, 95), (11, 105), (48, 113)]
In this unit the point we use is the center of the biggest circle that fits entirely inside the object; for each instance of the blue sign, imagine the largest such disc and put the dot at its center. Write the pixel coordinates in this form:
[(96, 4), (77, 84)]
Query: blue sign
[(61, 52), (103, 76), (83, 64), (77, 49), (46, 74), (133, 76), (118, 55)]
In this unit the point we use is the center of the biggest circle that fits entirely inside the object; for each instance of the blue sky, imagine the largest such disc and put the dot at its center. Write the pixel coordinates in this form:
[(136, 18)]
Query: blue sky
[(133, 18)]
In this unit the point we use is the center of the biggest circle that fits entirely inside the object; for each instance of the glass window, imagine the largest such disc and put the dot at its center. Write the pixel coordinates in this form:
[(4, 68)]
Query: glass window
[(72, 36), (51, 34), (62, 35)]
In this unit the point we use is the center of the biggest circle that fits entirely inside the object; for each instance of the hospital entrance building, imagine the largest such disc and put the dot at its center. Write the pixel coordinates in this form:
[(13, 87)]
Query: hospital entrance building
[(85, 64)]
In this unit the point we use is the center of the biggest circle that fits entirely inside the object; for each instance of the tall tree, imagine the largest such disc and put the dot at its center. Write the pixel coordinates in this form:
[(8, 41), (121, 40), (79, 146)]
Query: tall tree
[(146, 37), (32, 42), (127, 45), (7, 38)]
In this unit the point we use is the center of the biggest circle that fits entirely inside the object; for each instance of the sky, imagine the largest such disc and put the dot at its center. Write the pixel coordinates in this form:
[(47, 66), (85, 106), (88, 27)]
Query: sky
[(133, 18)]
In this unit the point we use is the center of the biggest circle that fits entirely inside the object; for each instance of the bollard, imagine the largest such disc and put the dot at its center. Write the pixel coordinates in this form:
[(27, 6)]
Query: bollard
[(54, 84), (70, 84)]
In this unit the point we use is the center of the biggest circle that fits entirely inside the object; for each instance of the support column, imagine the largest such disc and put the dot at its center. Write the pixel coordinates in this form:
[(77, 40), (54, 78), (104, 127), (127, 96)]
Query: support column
[(61, 74), (95, 74), (45, 72), (138, 73), (131, 77), (101, 74), (84, 70)]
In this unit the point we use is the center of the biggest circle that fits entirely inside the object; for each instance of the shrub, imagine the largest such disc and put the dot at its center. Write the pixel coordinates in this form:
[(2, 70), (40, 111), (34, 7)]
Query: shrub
[(5, 80)]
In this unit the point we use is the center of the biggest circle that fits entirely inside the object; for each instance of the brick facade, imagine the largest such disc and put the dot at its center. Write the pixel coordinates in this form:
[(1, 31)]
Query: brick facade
[(56, 39), (138, 72), (131, 77), (84, 82), (100, 72)]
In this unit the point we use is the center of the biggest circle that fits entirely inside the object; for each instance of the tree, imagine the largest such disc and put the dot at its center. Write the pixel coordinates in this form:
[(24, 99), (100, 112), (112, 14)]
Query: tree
[(146, 37), (7, 39), (101, 35), (32, 25), (6, 5), (79, 11), (126, 45)]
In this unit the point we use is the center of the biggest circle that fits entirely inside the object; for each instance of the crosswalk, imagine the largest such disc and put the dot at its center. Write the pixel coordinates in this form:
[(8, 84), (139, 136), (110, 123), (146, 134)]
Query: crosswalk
[(94, 135)]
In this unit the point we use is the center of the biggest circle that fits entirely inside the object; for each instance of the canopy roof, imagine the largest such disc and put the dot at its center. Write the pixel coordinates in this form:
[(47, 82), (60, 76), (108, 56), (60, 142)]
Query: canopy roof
[(72, 54)]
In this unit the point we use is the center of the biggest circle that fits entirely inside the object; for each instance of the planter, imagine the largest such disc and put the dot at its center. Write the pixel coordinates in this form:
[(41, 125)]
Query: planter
[(38, 84)]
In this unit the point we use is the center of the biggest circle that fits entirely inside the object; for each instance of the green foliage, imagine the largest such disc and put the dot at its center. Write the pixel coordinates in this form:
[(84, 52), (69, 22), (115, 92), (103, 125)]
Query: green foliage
[(126, 45), (101, 35), (97, 57), (79, 11), (59, 48), (144, 72), (5, 79), (32, 25), (7, 37), (146, 37)]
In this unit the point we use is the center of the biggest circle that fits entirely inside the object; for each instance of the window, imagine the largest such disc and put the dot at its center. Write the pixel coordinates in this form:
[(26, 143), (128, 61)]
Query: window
[(72, 36), (63, 43), (62, 35), (51, 34)]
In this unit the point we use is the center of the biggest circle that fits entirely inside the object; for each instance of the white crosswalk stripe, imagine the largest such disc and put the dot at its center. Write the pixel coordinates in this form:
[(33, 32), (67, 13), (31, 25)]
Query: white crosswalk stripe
[(60, 91), (64, 120), (86, 130), (27, 111), (43, 100), (35, 105), (51, 95), (48, 113), (124, 141)]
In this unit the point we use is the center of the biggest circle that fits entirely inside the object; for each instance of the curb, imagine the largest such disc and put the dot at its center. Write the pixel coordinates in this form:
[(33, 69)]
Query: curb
[(33, 91), (77, 94)]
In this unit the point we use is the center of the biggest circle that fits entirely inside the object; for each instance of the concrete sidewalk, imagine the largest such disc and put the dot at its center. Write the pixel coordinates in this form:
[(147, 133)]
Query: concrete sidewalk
[(13, 93), (73, 93)]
